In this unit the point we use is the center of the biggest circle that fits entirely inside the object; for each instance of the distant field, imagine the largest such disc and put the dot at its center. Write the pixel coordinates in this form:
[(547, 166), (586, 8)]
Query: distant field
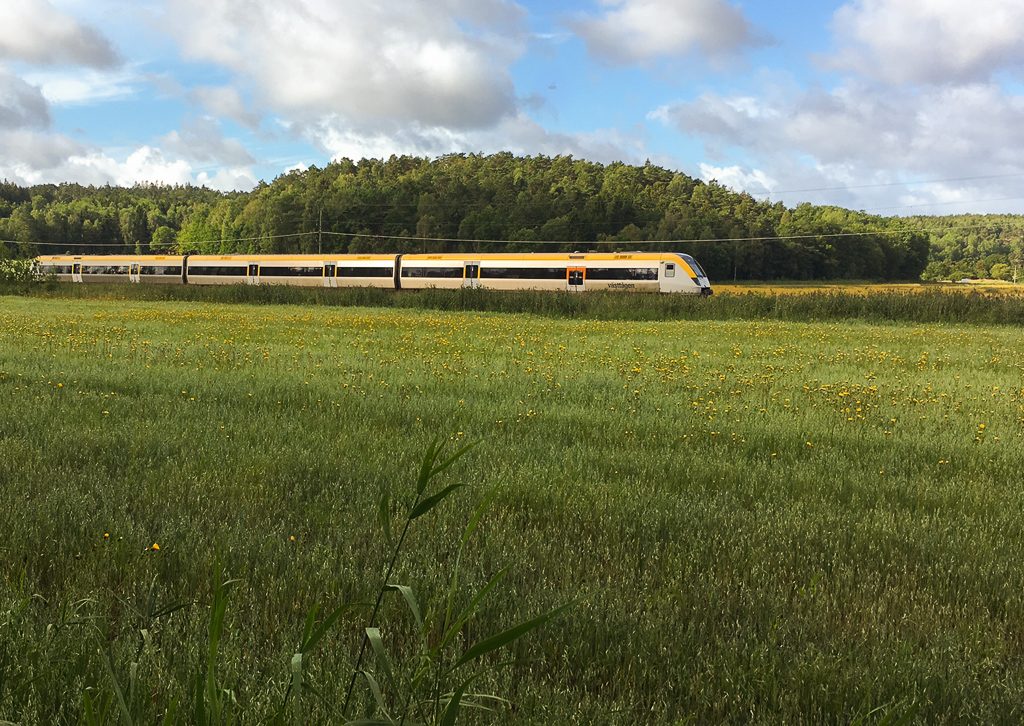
[(775, 288), (762, 520)]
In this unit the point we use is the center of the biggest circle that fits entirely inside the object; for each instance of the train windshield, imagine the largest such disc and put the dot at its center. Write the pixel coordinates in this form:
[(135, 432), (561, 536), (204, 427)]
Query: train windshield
[(694, 266)]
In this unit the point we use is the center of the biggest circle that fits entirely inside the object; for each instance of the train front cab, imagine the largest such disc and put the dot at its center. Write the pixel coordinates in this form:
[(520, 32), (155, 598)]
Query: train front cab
[(682, 273)]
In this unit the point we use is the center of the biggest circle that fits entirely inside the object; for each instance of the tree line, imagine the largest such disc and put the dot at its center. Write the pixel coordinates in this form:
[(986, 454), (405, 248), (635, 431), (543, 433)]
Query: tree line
[(502, 202), (974, 245)]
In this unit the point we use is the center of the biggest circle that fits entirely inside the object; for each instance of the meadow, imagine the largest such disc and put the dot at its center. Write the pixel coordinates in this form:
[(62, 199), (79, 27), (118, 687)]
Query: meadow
[(754, 519)]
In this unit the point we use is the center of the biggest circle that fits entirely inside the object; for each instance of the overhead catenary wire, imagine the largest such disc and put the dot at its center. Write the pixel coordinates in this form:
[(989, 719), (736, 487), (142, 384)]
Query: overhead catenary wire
[(466, 240)]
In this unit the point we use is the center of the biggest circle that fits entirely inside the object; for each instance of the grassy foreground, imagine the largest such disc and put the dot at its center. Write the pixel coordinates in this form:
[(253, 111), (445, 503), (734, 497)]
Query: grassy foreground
[(762, 521)]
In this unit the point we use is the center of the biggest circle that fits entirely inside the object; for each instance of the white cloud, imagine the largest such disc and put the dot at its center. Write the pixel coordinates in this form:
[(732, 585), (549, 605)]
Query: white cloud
[(920, 124), (436, 64), (226, 102), (754, 181), (21, 104), (935, 129), (27, 151), (36, 32), (929, 41), (36, 158), (201, 140), (518, 134), (636, 31), (228, 179), (143, 165), (735, 119), (865, 141), (84, 86), (32, 157)]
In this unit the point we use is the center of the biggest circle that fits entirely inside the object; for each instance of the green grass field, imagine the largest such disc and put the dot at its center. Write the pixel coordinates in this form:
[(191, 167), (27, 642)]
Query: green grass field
[(759, 520)]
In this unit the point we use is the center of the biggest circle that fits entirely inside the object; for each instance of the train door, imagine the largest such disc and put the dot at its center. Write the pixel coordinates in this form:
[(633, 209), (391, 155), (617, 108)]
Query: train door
[(329, 271), (667, 279), (576, 278), (471, 274), (76, 272), (253, 274), (133, 273)]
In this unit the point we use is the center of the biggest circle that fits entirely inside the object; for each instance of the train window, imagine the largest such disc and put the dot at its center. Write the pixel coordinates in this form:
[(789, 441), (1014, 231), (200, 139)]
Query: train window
[(56, 269), (523, 273), (431, 272), (161, 270), (104, 269), (695, 265), (622, 273), (216, 270), (268, 271), (366, 271), (670, 269)]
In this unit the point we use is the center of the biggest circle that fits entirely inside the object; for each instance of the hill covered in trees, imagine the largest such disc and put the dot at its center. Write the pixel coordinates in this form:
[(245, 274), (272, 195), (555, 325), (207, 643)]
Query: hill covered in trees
[(503, 202)]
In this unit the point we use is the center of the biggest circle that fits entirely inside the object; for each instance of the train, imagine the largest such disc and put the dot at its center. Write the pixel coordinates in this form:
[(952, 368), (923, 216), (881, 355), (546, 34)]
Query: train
[(666, 272)]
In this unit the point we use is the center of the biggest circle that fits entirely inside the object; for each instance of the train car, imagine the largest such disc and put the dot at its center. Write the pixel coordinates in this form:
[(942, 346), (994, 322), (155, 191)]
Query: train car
[(366, 271), (575, 272), (150, 269), (304, 270), (667, 272)]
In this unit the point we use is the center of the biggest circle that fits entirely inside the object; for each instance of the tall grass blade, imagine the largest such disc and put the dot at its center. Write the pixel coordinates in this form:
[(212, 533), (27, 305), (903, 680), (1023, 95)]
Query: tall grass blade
[(467, 612), (451, 712), (447, 463), (427, 467), (384, 518), (508, 636), (121, 703), (298, 717), (373, 635), (410, 599), (313, 636), (378, 695), (433, 500), (307, 628)]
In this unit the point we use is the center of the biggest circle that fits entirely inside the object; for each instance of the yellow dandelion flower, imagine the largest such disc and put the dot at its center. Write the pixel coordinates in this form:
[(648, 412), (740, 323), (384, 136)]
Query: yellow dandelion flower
[(155, 547)]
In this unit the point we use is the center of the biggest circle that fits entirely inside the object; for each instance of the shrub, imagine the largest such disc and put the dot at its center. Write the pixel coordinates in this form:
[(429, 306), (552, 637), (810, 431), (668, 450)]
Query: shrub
[(17, 271)]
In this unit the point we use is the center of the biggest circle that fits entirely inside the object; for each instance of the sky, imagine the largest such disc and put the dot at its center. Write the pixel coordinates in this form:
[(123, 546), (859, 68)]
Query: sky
[(895, 107)]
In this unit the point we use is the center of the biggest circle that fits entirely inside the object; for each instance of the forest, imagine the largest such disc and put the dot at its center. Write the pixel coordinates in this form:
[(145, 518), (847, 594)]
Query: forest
[(502, 202)]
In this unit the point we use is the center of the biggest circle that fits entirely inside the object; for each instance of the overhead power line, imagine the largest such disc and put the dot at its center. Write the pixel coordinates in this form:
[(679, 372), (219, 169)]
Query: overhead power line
[(621, 243)]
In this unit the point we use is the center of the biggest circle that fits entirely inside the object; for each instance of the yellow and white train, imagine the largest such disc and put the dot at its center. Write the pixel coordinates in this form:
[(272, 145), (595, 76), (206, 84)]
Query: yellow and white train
[(575, 272)]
